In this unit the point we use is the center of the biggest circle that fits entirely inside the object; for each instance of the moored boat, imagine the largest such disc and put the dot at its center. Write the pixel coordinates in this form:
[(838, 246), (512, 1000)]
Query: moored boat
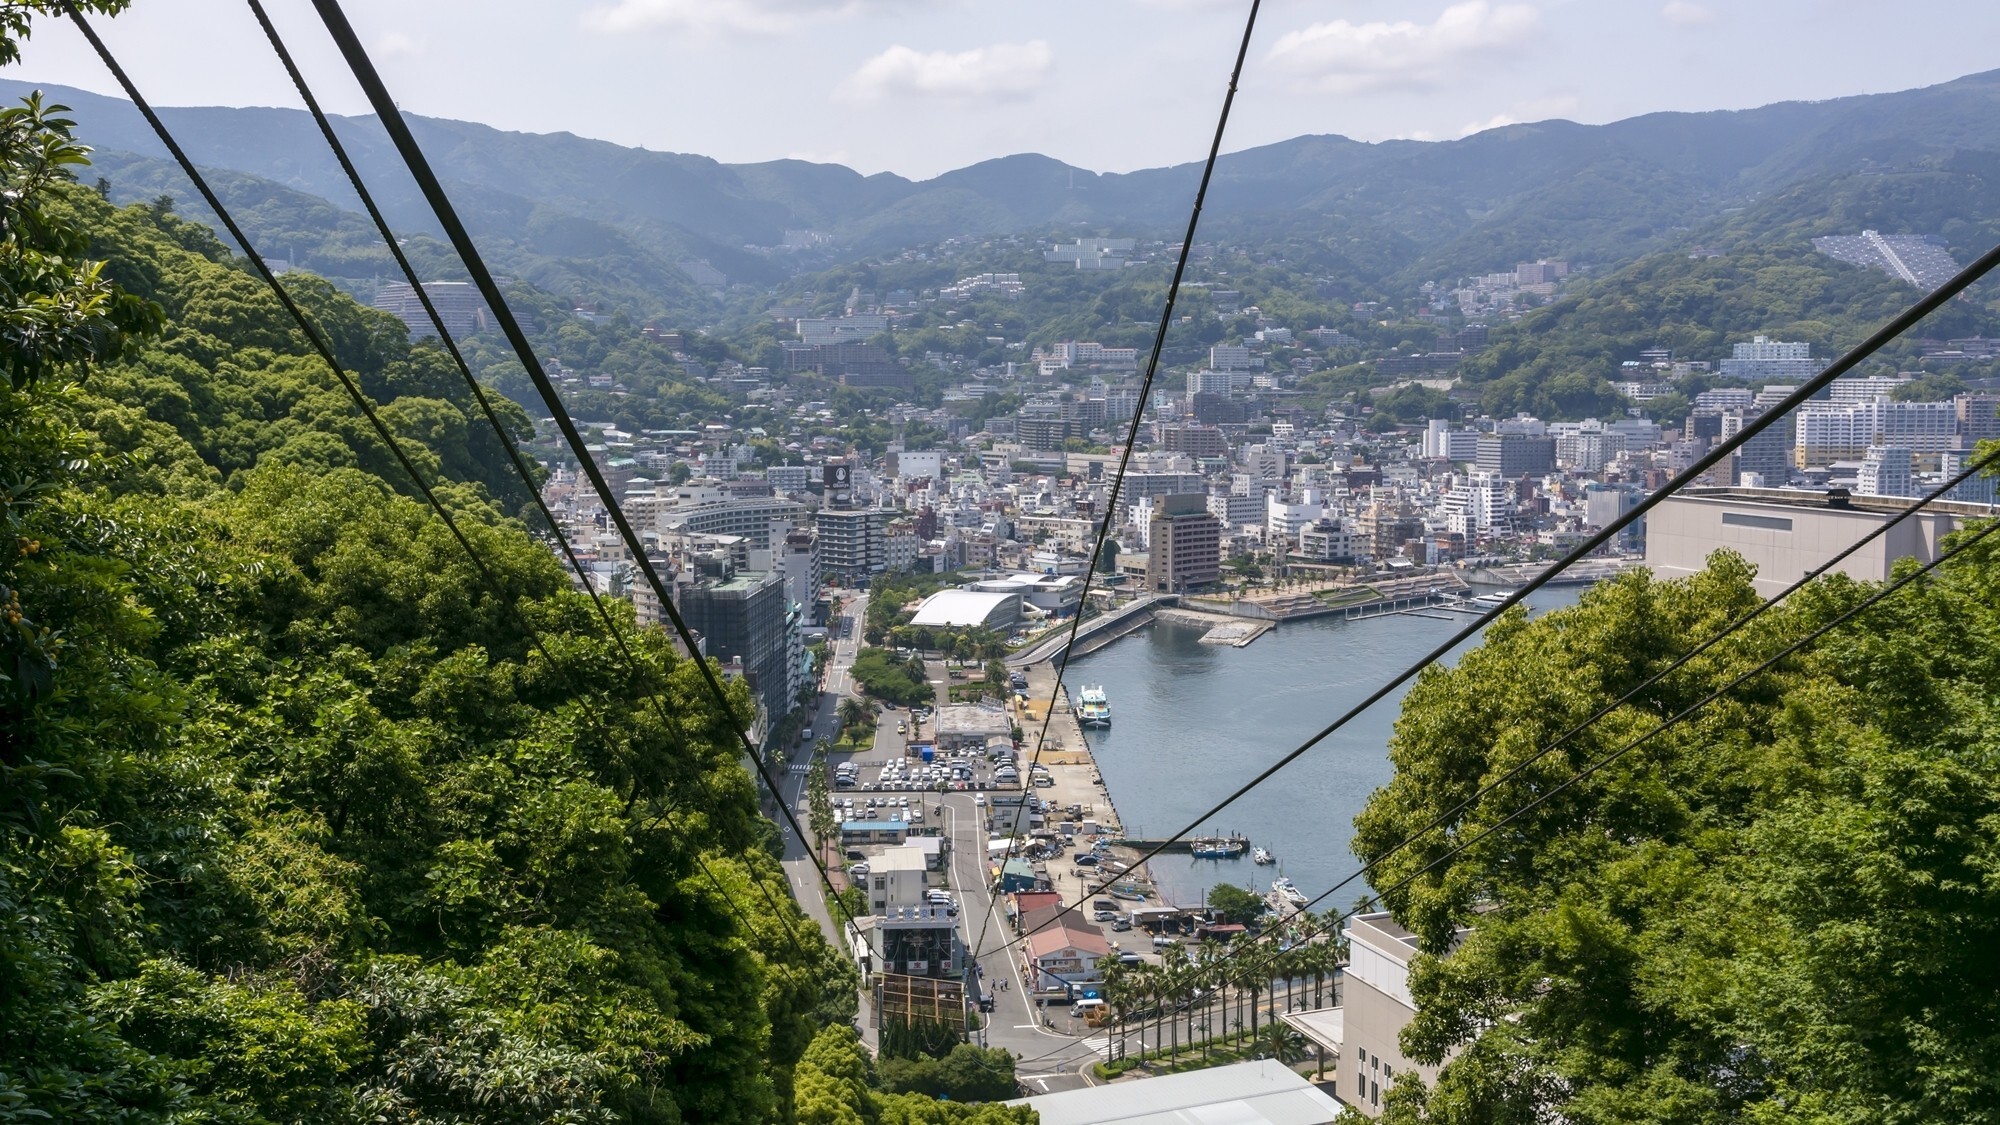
[(1262, 856), (1093, 708)]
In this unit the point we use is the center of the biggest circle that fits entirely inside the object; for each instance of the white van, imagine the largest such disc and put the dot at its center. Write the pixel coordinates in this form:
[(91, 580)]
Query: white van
[(1084, 1007)]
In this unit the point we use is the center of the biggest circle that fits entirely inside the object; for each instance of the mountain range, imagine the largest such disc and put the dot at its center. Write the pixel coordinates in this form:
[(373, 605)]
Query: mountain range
[(596, 220)]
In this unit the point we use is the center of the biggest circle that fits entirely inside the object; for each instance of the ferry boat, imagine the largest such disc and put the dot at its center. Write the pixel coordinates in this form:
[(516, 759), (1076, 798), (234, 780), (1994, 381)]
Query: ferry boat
[(1217, 847), (1262, 857), (1093, 709), (1288, 893)]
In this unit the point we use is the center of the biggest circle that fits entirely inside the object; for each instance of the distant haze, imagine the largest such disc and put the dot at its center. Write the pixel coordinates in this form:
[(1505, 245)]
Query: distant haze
[(920, 86)]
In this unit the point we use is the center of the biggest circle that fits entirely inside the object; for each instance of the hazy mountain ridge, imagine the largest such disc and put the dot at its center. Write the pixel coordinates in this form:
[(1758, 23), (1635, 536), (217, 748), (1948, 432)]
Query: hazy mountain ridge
[(560, 202)]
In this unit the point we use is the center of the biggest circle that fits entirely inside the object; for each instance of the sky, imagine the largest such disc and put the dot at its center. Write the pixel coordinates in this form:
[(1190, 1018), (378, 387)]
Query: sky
[(919, 87)]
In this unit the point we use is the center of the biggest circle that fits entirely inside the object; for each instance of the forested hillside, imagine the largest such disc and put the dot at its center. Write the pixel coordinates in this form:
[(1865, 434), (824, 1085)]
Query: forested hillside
[(1782, 910), (597, 221), (301, 821)]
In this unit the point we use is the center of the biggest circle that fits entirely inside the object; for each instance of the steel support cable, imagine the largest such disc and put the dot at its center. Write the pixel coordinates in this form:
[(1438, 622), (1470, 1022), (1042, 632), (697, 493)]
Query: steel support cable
[(346, 381), (1138, 411), (1973, 469), (1971, 539), (1937, 493), (516, 458), (391, 116), (1881, 337)]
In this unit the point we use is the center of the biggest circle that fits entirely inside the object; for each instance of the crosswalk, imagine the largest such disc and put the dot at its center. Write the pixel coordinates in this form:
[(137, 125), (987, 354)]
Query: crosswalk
[(799, 767), (1098, 1045)]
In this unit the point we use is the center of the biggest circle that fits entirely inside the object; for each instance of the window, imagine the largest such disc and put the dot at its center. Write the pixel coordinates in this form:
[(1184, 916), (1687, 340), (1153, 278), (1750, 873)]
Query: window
[(1364, 1053), (1360, 1083), (1374, 1093), (1766, 523)]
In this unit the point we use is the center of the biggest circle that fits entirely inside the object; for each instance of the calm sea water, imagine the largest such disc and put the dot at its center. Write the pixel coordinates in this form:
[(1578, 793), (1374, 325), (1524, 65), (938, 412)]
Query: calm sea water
[(1192, 722)]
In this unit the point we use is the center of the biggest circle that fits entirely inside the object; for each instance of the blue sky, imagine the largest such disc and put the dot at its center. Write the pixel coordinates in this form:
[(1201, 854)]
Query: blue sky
[(922, 86)]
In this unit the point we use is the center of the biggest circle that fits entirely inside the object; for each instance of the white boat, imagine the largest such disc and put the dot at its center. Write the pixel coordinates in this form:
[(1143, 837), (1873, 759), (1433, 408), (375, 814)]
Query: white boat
[(1262, 856), (1289, 893), (1092, 708)]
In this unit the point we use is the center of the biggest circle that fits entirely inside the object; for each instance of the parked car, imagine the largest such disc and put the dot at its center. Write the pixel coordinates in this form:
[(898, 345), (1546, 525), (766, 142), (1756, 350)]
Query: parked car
[(858, 871)]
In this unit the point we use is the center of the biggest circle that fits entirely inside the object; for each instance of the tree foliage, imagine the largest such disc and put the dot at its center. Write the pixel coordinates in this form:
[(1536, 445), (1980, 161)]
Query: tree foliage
[(1783, 909), (299, 821)]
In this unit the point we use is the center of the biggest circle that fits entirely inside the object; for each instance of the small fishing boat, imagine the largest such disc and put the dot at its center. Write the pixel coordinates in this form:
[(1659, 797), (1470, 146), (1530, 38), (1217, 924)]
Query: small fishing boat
[(1262, 857)]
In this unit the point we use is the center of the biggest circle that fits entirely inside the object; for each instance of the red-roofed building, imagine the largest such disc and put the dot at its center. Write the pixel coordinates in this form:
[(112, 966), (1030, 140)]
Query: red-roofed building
[(1063, 955)]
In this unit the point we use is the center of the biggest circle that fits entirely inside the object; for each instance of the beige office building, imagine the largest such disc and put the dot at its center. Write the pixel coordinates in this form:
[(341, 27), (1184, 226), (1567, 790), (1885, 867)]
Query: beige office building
[(1785, 532), (1185, 548), (1376, 996)]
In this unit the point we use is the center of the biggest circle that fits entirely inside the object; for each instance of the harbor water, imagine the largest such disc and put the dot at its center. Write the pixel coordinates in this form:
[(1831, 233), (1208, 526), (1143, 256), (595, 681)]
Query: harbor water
[(1192, 722)]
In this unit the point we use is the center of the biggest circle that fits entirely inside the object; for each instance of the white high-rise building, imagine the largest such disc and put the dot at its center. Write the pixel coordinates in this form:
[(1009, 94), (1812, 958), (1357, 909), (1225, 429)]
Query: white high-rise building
[(1476, 504), (1886, 470)]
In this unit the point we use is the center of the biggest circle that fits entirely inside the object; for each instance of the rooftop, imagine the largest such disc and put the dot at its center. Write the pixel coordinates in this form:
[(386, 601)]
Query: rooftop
[(965, 608), (1264, 1092)]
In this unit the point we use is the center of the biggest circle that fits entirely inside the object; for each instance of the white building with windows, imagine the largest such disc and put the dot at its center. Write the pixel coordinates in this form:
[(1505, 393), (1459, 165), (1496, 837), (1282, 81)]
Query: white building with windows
[(1887, 470)]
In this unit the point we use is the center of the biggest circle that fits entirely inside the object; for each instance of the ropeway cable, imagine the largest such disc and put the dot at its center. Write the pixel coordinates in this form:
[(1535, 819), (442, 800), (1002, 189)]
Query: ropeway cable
[(1138, 412), (413, 156), (1970, 540), (517, 460), (1881, 337), (353, 390), (1991, 457)]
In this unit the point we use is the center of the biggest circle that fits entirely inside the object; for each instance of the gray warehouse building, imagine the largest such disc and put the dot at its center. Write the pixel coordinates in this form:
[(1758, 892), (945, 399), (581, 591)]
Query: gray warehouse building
[(1787, 532)]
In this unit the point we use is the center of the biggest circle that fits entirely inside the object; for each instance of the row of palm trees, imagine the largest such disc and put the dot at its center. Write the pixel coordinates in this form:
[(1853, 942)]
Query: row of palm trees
[(1205, 992)]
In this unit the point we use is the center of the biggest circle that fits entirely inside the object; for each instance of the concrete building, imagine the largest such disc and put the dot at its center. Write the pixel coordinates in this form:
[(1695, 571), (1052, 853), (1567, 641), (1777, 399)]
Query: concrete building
[(1844, 433), (1763, 358), (917, 941), (1195, 441), (797, 558), (970, 726), (970, 609), (1784, 532), (1283, 522), (1514, 456), (898, 879), (1442, 443), (742, 617), (458, 303), (1262, 1092), (1377, 1007), (853, 543), (1886, 470), (1327, 541), (1184, 544)]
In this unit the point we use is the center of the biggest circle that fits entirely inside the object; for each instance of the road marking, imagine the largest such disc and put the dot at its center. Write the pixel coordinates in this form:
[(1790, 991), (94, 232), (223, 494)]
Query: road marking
[(1023, 1026)]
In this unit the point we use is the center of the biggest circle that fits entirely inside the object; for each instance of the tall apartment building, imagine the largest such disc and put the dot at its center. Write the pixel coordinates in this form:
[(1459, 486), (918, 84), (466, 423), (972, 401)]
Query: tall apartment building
[(1184, 548), (1765, 358), (797, 558), (1233, 357), (1886, 471), (742, 616), (458, 304), (1765, 459), (853, 543), (1513, 456), (1194, 440), (1978, 418), (1442, 443), (1844, 433)]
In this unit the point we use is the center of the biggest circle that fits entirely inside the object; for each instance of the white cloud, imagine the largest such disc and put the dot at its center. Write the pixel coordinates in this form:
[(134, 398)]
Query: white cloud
[(1685, 13), (1540, 109), (1004, 71), (1349, 58), (760, 17), (1497, 121), (396, 43)]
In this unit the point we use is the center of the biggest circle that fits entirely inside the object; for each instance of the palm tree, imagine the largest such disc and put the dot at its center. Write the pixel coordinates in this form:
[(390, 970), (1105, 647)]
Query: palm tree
[(852, 714), (1282, 1043), (1253, 975)]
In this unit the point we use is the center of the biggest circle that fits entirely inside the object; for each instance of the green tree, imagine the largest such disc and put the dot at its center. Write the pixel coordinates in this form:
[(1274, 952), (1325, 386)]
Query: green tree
[(1235, 904)]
